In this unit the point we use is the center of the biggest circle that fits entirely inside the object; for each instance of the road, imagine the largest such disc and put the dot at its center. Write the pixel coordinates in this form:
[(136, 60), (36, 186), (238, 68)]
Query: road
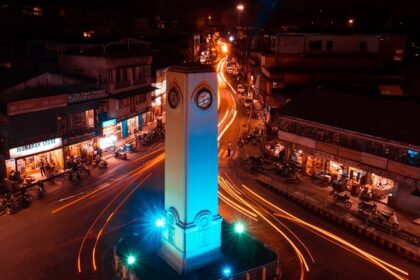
[(70, 232)]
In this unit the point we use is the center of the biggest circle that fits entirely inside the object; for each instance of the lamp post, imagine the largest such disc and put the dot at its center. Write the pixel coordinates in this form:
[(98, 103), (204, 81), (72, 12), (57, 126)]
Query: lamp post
[(240, 8)]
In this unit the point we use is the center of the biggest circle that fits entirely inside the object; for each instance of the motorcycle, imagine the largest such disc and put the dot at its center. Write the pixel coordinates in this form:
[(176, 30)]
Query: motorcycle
[(6, 205), (83, 169), (11, 202), (293, 178), (342, 198), (388, 218), (120, 153), (101, 163), (370, 208), (40, 189)]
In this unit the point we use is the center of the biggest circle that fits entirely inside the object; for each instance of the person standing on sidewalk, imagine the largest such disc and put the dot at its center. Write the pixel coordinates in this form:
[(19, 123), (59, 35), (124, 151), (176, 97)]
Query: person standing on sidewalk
[(229, 148), (42, 167)]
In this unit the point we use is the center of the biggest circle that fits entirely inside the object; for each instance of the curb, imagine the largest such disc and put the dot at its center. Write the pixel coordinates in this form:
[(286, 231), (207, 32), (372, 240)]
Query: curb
[(360, 229)]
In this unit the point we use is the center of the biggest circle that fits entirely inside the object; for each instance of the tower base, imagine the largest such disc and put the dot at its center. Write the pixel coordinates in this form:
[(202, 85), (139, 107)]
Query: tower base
[(184, 263)]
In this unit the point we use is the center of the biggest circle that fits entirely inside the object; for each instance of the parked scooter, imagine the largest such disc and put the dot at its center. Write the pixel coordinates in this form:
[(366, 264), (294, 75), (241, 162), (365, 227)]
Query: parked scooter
[(365, 207), (342, 198), (99, 162), (40, 189), (84, 169), (11, 202), (120, 153), (388, 218)]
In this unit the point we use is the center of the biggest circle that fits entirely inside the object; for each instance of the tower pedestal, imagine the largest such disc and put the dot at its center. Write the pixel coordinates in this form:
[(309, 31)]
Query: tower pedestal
[(202, 247)]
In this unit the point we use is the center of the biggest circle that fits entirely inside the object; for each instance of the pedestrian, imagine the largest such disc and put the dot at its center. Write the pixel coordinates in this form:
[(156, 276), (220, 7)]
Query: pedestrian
[(42, 167), (229, 145)]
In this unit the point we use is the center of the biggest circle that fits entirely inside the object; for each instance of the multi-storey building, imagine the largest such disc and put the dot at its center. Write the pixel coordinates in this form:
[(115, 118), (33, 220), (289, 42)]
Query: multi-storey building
[(45, 118), (373, 141), (126, 75), (97, 102), (297, 60)]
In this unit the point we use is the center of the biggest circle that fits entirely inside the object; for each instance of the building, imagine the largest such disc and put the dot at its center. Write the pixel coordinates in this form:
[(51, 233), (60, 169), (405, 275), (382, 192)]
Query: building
[(126, 75), (373, 141), (298, 60), (48, 117)]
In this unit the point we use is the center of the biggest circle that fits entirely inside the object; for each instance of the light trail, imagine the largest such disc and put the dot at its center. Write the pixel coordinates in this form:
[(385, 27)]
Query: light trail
[(54, 211), (224, 118), (238, 207), (103, 186), (150, 165), (110, 218), (302, 261), (374, 260), (231, 185), (141, 171)]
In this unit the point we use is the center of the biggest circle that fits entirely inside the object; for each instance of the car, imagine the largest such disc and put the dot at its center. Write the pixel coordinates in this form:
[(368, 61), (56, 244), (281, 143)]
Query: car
[(229, 70), (241, 88)]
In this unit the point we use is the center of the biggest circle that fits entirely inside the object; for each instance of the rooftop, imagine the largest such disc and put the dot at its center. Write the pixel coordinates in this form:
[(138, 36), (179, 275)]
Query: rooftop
[(389, 117)]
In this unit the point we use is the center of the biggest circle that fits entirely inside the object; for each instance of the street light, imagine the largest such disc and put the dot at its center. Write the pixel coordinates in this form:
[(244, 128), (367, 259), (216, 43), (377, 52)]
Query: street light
[(160, 223), (239, 228), (131, 259), (227, 271), (224, 48), (240, 8)]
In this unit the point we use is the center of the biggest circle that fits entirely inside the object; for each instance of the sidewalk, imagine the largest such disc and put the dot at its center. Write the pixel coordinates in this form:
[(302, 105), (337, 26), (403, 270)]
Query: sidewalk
[(319, 199), (405, 241)]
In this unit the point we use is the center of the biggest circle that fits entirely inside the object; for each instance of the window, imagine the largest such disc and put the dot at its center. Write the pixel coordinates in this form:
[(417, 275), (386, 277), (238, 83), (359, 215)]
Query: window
[(363, 46), (123, 103), (315, 44), (89, 119)]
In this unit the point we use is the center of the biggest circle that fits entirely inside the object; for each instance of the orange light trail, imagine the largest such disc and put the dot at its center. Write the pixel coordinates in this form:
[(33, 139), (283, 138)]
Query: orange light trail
[(54, 211), (110, 217), (79, 265), (380, 263), (141, 170), (302, 261)]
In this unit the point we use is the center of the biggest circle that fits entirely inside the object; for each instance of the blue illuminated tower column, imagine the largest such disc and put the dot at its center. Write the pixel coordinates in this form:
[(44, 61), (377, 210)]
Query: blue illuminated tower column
[(192, 236)]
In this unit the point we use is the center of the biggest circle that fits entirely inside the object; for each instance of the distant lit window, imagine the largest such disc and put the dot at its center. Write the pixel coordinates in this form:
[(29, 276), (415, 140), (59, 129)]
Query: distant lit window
[(315, 44), (399, 51), (88, 34), (37, 11)]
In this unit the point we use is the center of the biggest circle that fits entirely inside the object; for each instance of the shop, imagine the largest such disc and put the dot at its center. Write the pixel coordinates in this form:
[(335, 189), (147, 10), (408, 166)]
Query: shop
[(380, 188), (133, 125), (297, 157), (37, 160), (84, 150), (314, 165), (337, 170)]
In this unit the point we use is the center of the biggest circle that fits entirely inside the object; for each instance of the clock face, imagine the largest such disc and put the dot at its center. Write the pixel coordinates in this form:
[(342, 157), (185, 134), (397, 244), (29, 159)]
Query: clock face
[(204, 99), (173, 99)]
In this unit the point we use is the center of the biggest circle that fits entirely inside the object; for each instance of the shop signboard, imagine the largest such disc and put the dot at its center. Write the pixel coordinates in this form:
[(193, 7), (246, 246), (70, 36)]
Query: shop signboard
[(109, 123), (36, 104), (35, 148), (88, 95)]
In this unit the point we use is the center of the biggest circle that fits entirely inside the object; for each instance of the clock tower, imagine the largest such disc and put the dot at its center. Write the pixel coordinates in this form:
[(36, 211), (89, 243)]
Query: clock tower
[(191, 238)]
